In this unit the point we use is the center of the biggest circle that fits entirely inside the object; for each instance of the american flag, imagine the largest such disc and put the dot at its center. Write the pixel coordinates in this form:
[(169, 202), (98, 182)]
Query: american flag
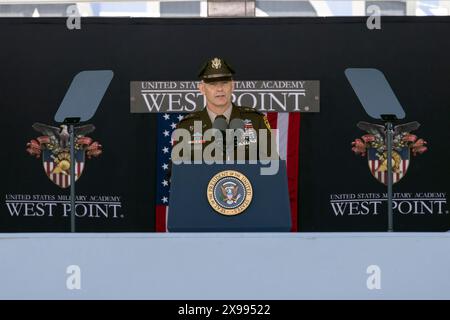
[(166, 123), (288, 143)]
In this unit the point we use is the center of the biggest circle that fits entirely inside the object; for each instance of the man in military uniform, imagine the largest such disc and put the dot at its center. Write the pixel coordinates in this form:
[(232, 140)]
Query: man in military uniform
[(217, 87)]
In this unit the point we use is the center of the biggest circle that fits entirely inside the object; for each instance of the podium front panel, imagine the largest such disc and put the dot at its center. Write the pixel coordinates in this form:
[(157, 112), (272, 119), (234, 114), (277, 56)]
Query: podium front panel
[(190, 210)]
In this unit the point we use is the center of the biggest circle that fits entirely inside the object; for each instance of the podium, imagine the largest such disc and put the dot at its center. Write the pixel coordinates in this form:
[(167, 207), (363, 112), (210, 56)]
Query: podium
[(228, 198)]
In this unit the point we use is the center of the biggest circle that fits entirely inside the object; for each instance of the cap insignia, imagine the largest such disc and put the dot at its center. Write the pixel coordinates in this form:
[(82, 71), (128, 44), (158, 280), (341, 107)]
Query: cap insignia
[(216, 63)]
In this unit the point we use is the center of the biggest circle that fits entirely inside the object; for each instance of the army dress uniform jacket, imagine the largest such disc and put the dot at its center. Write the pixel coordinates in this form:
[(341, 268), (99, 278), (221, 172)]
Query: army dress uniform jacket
[(253, 121)]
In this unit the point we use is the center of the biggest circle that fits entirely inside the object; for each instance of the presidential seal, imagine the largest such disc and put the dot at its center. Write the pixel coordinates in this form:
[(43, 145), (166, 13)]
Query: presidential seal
[(229, 192)]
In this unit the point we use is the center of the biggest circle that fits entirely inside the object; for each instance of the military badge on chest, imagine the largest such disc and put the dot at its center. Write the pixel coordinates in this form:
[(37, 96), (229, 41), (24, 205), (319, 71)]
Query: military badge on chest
[(197, 139), (249, 135)]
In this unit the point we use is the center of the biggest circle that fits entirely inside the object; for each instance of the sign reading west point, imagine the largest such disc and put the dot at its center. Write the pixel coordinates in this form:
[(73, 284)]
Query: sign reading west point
[(264, 96)]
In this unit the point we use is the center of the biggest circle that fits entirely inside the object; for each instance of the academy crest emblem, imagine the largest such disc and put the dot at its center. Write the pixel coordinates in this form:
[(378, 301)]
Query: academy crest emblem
[(374, 145), (229, 192), (54, 147)]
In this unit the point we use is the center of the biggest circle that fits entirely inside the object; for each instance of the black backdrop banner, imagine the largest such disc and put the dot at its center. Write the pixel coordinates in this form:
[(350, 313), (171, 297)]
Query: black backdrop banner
[(337, 192)]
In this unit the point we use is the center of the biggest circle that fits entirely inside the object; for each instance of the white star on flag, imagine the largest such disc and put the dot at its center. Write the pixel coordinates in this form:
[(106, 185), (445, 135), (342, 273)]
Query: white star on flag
[(173, 125), (165, 183), (165, 166), (180, 117), (166, 133), (164, 199), (165, 150), (166, 116)]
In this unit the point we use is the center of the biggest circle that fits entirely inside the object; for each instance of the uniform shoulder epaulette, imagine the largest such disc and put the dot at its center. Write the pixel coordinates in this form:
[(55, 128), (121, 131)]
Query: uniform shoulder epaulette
[(251, 110), (193, 116)]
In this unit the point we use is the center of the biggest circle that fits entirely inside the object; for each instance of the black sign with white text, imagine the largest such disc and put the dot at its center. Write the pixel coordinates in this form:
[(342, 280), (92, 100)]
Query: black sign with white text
[(264, 96)]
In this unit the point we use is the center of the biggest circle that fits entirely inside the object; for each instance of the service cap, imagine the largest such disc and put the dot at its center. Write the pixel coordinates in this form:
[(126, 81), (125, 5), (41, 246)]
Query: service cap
[(216, 69)]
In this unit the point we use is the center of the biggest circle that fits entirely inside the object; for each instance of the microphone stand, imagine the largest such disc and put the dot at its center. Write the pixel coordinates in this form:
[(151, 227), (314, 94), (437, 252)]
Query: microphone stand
[(70, 122), (389, 119)]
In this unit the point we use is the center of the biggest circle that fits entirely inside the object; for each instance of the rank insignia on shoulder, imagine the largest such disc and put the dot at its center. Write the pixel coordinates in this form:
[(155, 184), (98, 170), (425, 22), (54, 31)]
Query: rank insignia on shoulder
[(191, 127), (189, 116)]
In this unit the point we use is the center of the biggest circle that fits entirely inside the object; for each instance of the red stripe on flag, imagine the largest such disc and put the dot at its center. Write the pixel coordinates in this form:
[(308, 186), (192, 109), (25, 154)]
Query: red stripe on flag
[(272, 117), (292, 160), (49, 168), (160, 223), (293, 145)]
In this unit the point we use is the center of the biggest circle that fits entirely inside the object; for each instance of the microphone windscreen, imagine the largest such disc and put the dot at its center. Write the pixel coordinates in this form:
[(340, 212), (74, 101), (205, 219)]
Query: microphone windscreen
[(237, 124), (220, 123)]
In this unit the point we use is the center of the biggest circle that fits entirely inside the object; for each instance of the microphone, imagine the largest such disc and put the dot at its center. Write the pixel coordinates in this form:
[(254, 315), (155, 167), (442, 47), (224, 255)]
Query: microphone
[(220, 123), (237, 123)]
